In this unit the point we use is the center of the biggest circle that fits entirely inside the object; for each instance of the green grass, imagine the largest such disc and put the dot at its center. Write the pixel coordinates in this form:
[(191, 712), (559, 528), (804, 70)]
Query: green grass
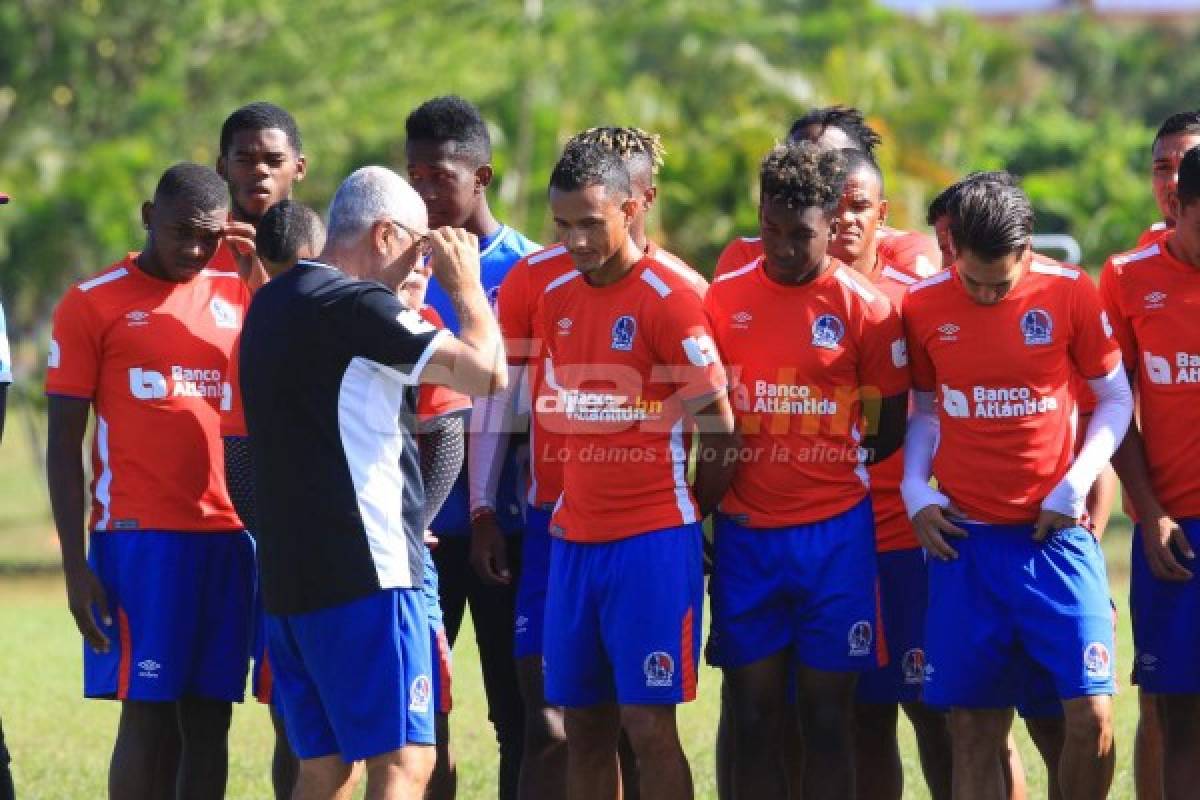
[(61, 743)]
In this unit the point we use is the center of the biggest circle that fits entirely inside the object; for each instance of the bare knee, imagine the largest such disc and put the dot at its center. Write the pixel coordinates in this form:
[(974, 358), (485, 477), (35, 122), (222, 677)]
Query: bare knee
[(651, 729), (980, 735), (592, 730), (411, 765), (1089, 722)]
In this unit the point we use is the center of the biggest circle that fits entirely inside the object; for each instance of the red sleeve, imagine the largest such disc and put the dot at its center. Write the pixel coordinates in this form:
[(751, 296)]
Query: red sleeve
[(683, 342), (434, 400), (911, 252), (1110, 298), (920, 366), (883, 351), (73, 366), (737, 253), (1092, 346), (515, 313)]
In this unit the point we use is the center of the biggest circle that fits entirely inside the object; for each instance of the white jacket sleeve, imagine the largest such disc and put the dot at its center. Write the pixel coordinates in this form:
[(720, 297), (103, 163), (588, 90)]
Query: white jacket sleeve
[(492, 420), (920, 443), (1110, 421)]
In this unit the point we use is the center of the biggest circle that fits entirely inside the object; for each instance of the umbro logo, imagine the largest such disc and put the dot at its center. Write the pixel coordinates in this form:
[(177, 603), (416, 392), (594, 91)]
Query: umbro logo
[(742, 319), (949, 332), (564, 325), (137, 318), (1155, 299)]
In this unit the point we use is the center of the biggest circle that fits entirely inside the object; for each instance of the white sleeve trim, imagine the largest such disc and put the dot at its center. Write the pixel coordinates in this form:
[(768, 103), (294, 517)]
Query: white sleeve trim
[(920, 443), (1110, 421), (492, 420)]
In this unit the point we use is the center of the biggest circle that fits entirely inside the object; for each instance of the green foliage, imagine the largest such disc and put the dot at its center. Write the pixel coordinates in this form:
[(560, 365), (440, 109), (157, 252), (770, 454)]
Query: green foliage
[(97, 99)]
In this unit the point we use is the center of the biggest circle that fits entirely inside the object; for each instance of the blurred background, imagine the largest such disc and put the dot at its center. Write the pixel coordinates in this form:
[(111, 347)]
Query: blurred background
[(98, 97)]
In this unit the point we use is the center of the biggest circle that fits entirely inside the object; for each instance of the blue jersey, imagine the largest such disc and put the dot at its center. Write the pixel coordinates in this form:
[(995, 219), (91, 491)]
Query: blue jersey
[(5, 357), (497, 254)]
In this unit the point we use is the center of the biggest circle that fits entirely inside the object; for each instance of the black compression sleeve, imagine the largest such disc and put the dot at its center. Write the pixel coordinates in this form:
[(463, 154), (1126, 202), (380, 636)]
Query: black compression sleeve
[(442, 443)]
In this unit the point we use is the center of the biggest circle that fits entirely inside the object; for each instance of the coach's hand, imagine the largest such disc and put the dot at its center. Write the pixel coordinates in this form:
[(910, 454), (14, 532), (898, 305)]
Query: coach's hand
[(84, 591), (489, 551), (932, 524), (240, 238), (1049, 522), (1161, 537), (455, 258)]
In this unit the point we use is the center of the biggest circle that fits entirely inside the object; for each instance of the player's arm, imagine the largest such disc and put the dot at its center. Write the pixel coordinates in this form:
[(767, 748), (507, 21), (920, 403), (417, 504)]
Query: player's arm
[(440, 444), (927, 507), (717, 451), (67, 423), (473, 363), (887, 423), (1066, 502)]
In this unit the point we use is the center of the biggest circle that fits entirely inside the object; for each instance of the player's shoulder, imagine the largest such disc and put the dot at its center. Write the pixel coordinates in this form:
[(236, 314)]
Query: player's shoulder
[(508, 247), (1122, 264), (929, 292), (670, 263), (912, 253), (737, 253), (104, 292), (859, 294), (543, 265)]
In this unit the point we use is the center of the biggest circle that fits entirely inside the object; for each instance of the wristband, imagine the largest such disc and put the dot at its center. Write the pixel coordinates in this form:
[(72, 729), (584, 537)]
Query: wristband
[(482, 512)]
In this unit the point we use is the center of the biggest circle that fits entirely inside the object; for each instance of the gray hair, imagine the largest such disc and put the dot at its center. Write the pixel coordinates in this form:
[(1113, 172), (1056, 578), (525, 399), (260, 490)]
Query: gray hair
[(368, 195)]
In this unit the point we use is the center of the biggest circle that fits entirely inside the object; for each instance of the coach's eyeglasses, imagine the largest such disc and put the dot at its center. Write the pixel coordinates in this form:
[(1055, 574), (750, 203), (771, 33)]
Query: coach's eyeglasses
[(420, 240)]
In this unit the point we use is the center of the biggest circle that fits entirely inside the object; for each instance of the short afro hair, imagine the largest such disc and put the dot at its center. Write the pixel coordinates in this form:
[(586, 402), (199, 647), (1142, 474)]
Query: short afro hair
[(862, 161), (260, 116), (583, 165), (194, 184), (990, 219), (1183, 122), (1188, 189), (285, 229), (450, 118), (643, 152), (849, 121), (801, 175), (943, 204)]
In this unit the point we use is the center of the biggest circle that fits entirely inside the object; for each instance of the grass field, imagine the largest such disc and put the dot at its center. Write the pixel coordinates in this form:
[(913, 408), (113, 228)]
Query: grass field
[(60, 743)]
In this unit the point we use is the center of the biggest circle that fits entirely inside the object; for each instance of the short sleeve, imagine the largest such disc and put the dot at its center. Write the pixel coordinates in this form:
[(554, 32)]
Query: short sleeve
[(683, 343), (1093, 347), (1122, 326), (5, 352), (434, 401), (883, 351), (920, 365), (514, 312), (73, 364), (737, 253), (385, 331)]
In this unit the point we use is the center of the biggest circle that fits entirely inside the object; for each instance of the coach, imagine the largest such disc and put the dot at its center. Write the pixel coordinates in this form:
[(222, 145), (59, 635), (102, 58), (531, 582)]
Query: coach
[(331, 363)]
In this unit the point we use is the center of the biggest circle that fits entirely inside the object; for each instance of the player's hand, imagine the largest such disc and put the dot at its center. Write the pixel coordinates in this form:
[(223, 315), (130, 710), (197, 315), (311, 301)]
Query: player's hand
[(240, 237), (84, 591), (1049, 522), (1161, 537), (431, 541), (455, 258), (489, 551), (932, 524)]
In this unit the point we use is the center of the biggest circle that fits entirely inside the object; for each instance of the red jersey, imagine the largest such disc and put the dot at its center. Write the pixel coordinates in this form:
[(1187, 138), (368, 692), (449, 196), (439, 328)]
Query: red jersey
[(622, 360), (516, 307), (1152, 234), (1002, 374), (152, 356), (1153, 302), (910, 252), (802, 358), (435, 400)]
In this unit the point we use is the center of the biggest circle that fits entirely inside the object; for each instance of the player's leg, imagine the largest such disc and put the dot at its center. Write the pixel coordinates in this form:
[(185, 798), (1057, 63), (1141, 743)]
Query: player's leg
[(1181, 728), (1043, 714), (1014, 771), (1086, 768), (284, 764), (758, 699), (443, 779), (654, 738), (401, 774), (826, 715), (544, 761), (592, 733), (1048, 735), (878, 770), (443, 783), (145, 757), (932, 729), (324, 778), (204, 758), (493, 614), (1148, 778), (631, 776), (7, 790), (453, 566), (979, 742)]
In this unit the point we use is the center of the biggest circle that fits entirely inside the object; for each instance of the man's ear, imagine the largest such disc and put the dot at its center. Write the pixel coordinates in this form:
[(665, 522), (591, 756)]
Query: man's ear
[(1174, 205), (630, 207), (301, 167), (883, 211), (649, 196), (147, 212), (381, 233), (483, 177), (223, 167)]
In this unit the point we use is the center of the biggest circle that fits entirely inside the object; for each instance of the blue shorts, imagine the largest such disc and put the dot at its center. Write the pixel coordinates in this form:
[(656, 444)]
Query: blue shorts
[(1008, 601), (808, 588), (439, 645), (355, 679), (623, 619), (182, 613), (531, 586), (1166, 622), (903, 597)]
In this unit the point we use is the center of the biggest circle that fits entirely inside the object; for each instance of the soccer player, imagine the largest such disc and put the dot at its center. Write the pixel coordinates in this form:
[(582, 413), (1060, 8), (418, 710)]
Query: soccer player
[(839, 128), (1150, 299), (341, 540), (448, 152), (633, 364), (261, 157), (7, 791), (1177, 134), (543, 769), (1022, 580), (145, 345), (794, 579), (903, 578)]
